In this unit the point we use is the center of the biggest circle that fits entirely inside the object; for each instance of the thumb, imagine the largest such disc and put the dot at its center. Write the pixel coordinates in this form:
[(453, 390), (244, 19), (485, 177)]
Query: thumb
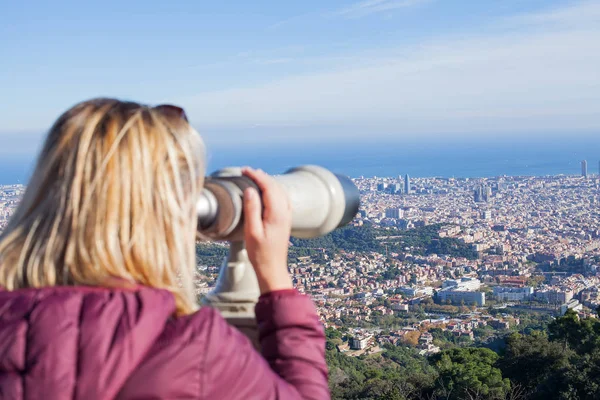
[(253, 224)]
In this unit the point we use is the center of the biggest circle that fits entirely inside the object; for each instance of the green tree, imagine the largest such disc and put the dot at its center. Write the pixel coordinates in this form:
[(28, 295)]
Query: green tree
[(580, 335), (536, 364), (469, 372), (399, 374), (582, 379)]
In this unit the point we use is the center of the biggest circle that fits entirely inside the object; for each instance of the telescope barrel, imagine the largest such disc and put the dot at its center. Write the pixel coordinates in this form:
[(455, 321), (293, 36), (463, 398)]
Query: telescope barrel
[(321, 202)]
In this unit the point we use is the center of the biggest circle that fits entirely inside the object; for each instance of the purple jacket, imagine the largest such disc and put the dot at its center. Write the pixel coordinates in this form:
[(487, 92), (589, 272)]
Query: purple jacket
[(96, 343)]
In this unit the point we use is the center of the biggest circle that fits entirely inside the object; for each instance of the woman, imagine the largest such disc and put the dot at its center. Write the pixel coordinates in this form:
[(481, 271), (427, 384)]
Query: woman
[(97, 269)]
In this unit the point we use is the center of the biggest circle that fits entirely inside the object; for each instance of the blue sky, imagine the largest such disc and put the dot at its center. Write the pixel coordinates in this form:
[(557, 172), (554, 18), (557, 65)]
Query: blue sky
[(309, 70)]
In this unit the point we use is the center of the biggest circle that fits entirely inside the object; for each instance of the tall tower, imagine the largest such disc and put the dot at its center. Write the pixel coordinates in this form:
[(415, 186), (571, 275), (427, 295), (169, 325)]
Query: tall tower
[(487, 193), (478, 194), (584, 169), (406, 184)]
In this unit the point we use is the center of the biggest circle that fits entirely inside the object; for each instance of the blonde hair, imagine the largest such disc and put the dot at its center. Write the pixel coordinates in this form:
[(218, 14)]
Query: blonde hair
[(111, 202)]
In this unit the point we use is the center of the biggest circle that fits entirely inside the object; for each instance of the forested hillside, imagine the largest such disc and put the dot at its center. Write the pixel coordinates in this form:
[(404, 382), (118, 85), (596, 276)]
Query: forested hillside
[(562, 362)]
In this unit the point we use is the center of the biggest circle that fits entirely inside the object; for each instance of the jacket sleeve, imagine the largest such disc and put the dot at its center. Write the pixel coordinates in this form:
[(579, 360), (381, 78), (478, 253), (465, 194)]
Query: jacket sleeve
[(292, 364)]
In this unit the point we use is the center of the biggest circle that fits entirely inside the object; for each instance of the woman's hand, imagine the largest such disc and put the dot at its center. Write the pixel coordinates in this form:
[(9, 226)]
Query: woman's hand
[(267, 231)]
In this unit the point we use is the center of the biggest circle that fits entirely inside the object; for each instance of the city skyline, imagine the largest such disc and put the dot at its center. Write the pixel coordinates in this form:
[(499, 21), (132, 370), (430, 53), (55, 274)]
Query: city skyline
[(19, 172)]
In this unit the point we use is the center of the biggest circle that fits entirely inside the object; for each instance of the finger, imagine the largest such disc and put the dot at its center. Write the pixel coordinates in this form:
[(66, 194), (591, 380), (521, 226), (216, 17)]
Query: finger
[(272, 194), (275, 200), (277, 205), (262, 180), (253, 225)]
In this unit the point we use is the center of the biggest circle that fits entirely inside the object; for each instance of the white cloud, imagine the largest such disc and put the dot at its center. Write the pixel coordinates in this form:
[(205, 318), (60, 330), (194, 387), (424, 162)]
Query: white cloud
[(368, 7), (544, 79)]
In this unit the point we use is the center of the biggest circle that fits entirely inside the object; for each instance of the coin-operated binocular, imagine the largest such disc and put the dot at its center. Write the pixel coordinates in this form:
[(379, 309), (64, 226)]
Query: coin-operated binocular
[(321, 202)]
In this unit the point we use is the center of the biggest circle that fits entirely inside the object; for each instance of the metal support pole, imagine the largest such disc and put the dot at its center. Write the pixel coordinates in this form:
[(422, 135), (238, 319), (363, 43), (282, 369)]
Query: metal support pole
[(237, 292)]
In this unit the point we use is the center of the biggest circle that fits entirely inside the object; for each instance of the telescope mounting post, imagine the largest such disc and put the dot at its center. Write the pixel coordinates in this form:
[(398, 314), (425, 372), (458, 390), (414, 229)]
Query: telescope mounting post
[(236, 292)]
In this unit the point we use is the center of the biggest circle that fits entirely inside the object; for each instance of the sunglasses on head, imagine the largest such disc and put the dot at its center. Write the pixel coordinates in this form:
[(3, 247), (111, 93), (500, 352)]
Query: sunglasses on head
[(169, 110)]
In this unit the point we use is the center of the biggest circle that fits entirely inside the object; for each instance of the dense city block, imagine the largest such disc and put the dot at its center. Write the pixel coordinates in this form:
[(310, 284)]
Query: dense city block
[(435, 265)]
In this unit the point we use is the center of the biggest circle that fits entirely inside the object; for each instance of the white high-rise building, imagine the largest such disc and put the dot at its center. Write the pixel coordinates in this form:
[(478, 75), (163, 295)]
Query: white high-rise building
[(394, 212)]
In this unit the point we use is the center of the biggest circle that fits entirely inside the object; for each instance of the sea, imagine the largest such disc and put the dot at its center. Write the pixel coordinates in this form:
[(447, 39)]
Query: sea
[(465, 158)]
